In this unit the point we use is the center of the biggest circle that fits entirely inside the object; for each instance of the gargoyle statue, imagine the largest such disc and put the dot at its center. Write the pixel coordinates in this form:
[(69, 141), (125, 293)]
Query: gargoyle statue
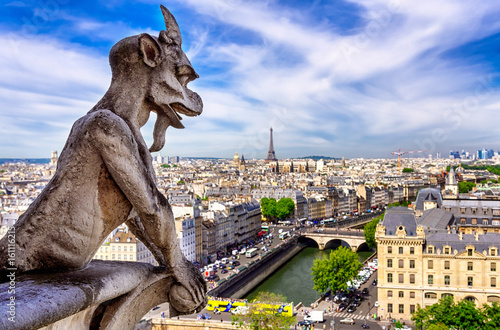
[(105, 176)]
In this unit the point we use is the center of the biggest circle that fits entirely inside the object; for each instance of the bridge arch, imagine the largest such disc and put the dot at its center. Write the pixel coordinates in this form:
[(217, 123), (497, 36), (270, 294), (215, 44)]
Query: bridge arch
[(308, 241), (325, 240)]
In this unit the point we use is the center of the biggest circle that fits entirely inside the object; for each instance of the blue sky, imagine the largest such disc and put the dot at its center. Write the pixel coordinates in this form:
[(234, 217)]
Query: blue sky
[(336, 78)]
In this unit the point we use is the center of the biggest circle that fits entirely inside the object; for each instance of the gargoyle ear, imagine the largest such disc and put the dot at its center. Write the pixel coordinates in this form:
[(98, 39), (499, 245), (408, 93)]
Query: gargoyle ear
[(150, 50)]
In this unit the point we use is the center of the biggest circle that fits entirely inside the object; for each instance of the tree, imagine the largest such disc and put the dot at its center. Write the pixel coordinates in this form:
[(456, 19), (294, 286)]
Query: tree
[(165, 166), (464, 187), (333, 272), (408, 170), (446, 314), (370, 229), (284, 208), (263, 314), (268, 207), (180, 182)]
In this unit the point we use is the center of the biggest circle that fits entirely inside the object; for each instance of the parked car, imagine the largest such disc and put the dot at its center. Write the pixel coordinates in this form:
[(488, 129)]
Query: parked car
[(356, 303), (351, 309), (305, 322), (374, 282), (223, 271), (365, 291), (216, 311), (376, 304), (341, 307), (347, 320)]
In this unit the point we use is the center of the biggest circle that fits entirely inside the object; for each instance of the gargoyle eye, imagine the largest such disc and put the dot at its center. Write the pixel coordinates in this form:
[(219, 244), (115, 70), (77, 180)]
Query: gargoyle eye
[(185, 74)]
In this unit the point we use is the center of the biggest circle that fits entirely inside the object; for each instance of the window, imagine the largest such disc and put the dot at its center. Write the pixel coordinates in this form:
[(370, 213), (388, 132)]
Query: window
[(389, 293), (113, 248), (401, 294), (447, 280), (493, 252), (125, 248), (389, 263), (412, 309), (119, 248), (400, 250), (124, 257), (474, 221), (113, 256), (119, 256), (389, 249), (493, 267), (389, 308), (473, 211), (430, 264), (412, 294), (485, 221), (412, 250), (444, 295), (485, 211), (401, 278), (430, 249), (446, 265), (430, 295), (469, 252), (401, 263), (470, 281), (412, 278), (470, 266), (462, 210), (493, 282), (462, 221), (389, 278), (412, 263), (401, 308), (446, 250), (430, 279)]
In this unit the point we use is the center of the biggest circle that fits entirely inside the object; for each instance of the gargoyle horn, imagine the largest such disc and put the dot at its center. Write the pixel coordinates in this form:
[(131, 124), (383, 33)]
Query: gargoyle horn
[(173, 31)]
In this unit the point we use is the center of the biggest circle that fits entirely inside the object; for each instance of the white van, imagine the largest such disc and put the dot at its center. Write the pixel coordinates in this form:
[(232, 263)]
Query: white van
[(235, 252), (225, 260)]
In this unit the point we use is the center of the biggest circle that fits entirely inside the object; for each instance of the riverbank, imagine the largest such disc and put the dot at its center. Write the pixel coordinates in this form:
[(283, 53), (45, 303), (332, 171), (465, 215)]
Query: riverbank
[(256, 272)]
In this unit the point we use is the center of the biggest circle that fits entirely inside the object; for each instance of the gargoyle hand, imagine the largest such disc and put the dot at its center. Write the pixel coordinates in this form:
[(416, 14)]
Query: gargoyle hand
[(192, 281)]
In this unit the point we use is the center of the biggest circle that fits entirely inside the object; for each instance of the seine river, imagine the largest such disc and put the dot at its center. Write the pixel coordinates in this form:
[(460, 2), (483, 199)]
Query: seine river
[(293, 280)]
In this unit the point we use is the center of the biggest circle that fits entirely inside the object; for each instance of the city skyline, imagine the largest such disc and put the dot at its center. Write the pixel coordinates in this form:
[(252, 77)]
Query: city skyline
[(332, 78)]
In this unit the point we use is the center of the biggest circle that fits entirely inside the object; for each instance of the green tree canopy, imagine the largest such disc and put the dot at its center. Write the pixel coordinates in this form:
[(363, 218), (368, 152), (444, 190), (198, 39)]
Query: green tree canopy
[(284, 208), (464, 187), (369, 231), (333, 272), (165, 166), (260, 317), (268, 207), (180, 182), (464, 315), (408, 170)]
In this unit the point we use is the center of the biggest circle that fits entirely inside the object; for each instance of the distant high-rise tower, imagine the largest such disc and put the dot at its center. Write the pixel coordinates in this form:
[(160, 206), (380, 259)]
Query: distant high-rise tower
[(271, 156)]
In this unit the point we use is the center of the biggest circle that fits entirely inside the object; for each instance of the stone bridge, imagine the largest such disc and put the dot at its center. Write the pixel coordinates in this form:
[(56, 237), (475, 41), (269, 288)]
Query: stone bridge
[(354, 239)]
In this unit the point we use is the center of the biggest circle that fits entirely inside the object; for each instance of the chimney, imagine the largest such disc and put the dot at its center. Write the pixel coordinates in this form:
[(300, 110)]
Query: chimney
[(460, 235), (476, 235)]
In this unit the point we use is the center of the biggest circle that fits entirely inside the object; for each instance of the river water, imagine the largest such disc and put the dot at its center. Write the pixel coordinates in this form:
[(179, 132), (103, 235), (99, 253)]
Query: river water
[(293, 280)]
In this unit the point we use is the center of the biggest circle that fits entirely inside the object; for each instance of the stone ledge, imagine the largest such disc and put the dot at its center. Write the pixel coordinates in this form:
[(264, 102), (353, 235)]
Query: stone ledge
[(106, 294)]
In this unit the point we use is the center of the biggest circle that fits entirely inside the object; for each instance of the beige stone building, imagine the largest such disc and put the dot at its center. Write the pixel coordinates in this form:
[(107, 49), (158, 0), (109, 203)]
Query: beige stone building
[(122, 246), (422, 260)]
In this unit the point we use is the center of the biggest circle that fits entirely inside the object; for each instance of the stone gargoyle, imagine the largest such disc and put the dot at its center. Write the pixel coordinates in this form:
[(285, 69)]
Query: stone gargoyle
[(105, 178)]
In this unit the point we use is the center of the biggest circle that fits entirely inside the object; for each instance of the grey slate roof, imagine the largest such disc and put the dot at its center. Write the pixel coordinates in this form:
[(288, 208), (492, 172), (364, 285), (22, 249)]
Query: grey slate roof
[(436, 219), (428, 195), (484, 242), (400, 216)]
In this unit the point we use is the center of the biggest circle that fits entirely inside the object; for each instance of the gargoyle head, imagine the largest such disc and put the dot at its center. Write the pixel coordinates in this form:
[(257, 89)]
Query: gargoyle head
[(158, 65)]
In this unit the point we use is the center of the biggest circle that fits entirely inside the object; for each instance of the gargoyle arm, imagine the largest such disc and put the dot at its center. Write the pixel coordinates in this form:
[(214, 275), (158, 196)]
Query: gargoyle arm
[(119, 150)]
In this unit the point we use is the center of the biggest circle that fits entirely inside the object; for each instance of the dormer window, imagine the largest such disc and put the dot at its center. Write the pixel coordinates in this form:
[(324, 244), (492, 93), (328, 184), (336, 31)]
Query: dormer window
[(493, 251), (430, 249), (462, 210), (473, 210)]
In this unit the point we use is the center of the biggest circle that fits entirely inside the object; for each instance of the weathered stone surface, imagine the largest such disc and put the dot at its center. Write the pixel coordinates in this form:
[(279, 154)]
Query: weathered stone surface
[(104, 178)]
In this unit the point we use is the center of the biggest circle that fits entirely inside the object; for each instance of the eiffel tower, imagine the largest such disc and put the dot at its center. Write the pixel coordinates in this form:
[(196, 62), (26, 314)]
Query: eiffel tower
[(271, 156)]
